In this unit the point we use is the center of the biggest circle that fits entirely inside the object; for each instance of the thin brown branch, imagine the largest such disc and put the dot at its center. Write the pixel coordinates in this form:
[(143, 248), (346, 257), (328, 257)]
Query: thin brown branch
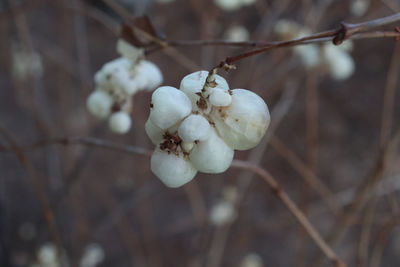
[(337, 36), (310, 178), (288, 202), (87, 141), (48, 213)]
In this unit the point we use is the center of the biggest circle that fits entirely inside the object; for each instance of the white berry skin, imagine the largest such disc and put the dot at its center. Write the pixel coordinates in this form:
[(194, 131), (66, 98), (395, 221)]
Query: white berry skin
[(120, 122), (129, 51), (228, 5), (242, 124), (341, 64), (194, 127), (172, 170), (237, 33), (220, 98), (309, 55), (194, 82), (212, 155), (151, 73), (104, 77), (222, 212), (169, 105), (154, 132), (99, 104)]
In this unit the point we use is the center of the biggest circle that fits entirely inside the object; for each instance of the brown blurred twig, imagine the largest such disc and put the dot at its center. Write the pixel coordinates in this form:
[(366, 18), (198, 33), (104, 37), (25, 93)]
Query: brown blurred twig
[(286, 200), (48, 213), (308, 175), (337, 36)]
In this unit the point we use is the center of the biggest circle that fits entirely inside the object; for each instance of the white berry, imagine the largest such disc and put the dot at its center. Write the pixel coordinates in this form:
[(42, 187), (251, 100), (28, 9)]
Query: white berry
[(120, 122), (169, 105), (99, 104), (212, 155), (243, 123), (194, 127), (193, 83), (173, 170)]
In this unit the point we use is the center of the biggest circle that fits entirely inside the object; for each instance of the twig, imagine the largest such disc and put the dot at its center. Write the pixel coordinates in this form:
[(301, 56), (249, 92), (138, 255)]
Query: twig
[(382, 239), (48, 213), (337, 36), (88, 141), (171, 52), (305, 172), (301, 218)]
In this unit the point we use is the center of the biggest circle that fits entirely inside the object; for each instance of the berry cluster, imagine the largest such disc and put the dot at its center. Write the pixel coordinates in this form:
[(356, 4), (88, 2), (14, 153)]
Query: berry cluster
[(117, 81), (198, 127)]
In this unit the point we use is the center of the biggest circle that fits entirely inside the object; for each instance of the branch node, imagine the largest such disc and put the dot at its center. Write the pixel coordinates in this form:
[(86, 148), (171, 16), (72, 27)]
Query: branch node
[(342, 34), (397, 29)]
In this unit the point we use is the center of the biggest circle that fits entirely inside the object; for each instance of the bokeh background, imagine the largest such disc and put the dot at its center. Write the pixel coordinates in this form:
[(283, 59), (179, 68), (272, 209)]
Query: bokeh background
[(342, 134)]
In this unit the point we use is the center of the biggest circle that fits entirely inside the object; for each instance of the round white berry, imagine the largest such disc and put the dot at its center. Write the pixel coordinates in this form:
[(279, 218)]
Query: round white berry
[(309, 55), (212, 155), (222, 212), (173, 170), (154, 132), (220, 98), (237, 33), (151, 73), (193, 83), (341, 64), (194, 127), (243, 123), (99, 104), (252, 260), (120, 122), (129, 51), (168, 106), (228, 5)]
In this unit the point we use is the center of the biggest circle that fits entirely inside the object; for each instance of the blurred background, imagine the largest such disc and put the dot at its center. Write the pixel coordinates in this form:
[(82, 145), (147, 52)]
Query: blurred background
[(332, 143)]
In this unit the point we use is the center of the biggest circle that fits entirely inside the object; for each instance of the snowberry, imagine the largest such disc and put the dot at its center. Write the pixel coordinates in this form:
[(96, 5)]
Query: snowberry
[(220, 98), (173, 170), (198, 127), (154, 132), (150, 73), (212, 155), (222, 212), (237, 33), (99, 104), (252, 260), (129, 51), (359, 7), (231, 5), (340, 63), (117, 81), (168, 106), (243, 123), (120, 122), (193, 83), (194, 128), (92, 256)]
